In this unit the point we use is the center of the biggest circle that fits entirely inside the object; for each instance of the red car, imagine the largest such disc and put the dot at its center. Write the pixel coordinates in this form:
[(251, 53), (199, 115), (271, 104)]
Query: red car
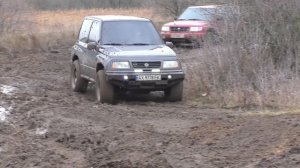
[(195, 25)]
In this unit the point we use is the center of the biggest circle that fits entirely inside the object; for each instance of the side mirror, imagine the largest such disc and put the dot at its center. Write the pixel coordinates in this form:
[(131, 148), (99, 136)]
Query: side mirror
[(170, 44), (92, 46)]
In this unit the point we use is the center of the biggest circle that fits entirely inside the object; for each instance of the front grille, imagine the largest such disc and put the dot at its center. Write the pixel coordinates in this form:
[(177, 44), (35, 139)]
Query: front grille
[(146, 64), (179, 29)]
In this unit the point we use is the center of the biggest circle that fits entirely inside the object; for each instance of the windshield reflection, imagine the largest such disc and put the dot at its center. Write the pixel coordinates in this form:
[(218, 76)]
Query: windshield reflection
[(130, 33), (205, 14)]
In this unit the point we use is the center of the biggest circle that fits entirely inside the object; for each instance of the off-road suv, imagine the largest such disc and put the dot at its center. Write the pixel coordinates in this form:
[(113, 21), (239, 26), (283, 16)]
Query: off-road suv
[(196, 25), (120, 53)]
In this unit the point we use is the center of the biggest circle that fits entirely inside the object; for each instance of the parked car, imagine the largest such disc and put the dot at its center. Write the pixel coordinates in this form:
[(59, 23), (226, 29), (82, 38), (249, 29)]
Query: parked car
[(195, 25), (120, 53)]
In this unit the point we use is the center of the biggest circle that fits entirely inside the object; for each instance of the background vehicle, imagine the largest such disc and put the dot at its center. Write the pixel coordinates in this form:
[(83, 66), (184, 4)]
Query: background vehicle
[(194, 26), (124, 53)]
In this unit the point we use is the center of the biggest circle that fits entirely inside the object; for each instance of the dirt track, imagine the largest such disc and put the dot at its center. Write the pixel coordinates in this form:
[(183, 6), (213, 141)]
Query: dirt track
[(47, 125)]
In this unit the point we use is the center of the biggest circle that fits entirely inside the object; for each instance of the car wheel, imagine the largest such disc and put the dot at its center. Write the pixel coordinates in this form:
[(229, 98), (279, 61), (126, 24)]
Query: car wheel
[(104, 90), (175, 92), (78, 84)]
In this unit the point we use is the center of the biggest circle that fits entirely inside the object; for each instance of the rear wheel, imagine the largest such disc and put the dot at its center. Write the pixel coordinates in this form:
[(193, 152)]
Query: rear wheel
[(104, 90), (175, 92), (78, 84)]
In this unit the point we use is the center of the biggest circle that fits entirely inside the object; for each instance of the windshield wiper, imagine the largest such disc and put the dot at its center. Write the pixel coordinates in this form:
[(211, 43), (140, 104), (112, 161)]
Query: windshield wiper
[(113, 44)]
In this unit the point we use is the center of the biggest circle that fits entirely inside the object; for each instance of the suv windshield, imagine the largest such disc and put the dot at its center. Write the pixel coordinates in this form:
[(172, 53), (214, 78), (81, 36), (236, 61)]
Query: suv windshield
[(129, 33), (198, 14)]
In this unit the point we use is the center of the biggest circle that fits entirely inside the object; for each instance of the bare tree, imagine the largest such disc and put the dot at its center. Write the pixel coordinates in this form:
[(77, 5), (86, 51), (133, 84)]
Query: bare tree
[(173, 7)]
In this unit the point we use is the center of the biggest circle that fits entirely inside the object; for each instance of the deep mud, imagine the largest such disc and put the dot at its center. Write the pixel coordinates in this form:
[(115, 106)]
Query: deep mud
[(44, 124)]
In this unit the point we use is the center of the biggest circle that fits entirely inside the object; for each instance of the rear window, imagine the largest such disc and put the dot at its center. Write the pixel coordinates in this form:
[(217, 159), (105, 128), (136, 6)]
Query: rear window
[(129, 33)]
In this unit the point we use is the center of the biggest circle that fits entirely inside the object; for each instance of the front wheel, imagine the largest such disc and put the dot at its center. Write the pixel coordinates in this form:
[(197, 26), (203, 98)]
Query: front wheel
[(78, 83), (104, 90), (175, 93)]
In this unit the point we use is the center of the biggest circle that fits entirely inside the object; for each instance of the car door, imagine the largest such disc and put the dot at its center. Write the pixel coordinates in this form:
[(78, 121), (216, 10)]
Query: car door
[(82, 45), (94, 36)]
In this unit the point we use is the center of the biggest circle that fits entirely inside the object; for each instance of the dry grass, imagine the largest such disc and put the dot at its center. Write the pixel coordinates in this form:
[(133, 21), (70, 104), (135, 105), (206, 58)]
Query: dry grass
[(214, 77), (273, 112), (43, 30), (257, 65), (242, 72), (45, 21), (46, 41)]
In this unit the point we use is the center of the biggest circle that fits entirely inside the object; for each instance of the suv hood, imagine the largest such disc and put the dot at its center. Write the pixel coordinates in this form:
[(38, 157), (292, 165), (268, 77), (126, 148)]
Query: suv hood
[(148, 50), (187, 23)]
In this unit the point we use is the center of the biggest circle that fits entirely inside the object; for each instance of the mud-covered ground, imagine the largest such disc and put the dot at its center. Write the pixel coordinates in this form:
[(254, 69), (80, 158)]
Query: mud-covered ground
[(44, 124)]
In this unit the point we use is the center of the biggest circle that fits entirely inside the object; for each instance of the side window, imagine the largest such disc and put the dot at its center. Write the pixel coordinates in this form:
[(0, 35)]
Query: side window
[(95, 32), (85, 30)]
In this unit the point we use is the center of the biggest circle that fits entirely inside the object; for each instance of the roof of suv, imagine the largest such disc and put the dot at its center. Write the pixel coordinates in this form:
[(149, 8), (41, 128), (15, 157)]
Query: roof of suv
[(116, 18)]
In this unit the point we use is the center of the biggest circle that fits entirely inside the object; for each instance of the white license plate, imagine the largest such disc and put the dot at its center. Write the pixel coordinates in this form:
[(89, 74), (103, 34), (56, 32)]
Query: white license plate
[(148, 77), (177, 35)]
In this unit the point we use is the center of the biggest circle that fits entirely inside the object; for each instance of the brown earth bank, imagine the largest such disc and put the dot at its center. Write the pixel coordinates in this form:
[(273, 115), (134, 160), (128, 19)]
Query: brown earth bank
[(44, 124)]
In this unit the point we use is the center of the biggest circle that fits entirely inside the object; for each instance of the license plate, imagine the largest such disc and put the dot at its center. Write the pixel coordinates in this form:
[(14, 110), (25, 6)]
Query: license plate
[(177, 35), (148, 77)]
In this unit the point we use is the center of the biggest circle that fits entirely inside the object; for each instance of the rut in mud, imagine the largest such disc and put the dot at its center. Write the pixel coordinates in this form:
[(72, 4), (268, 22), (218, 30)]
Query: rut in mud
[(44, 124)]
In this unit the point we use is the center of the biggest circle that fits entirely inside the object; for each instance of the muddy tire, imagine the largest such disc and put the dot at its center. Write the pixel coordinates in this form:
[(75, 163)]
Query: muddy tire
[(104, 90), (78, 84), (174, 93)]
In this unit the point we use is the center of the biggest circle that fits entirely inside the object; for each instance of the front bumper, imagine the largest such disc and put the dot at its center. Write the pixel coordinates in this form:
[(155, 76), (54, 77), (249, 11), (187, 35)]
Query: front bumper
[(117, 79), (183, 37)]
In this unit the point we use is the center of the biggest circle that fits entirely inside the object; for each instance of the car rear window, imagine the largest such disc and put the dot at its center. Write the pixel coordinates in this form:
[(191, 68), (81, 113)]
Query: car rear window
[(129, 33)]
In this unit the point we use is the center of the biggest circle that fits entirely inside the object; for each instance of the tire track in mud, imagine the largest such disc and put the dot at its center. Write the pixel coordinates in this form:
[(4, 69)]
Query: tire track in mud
[(50, 126)]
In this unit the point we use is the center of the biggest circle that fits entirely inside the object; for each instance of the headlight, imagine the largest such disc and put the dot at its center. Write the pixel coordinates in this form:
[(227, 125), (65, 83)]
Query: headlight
[(196, 29), (120, 65), (170, 64), (165, 28)]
